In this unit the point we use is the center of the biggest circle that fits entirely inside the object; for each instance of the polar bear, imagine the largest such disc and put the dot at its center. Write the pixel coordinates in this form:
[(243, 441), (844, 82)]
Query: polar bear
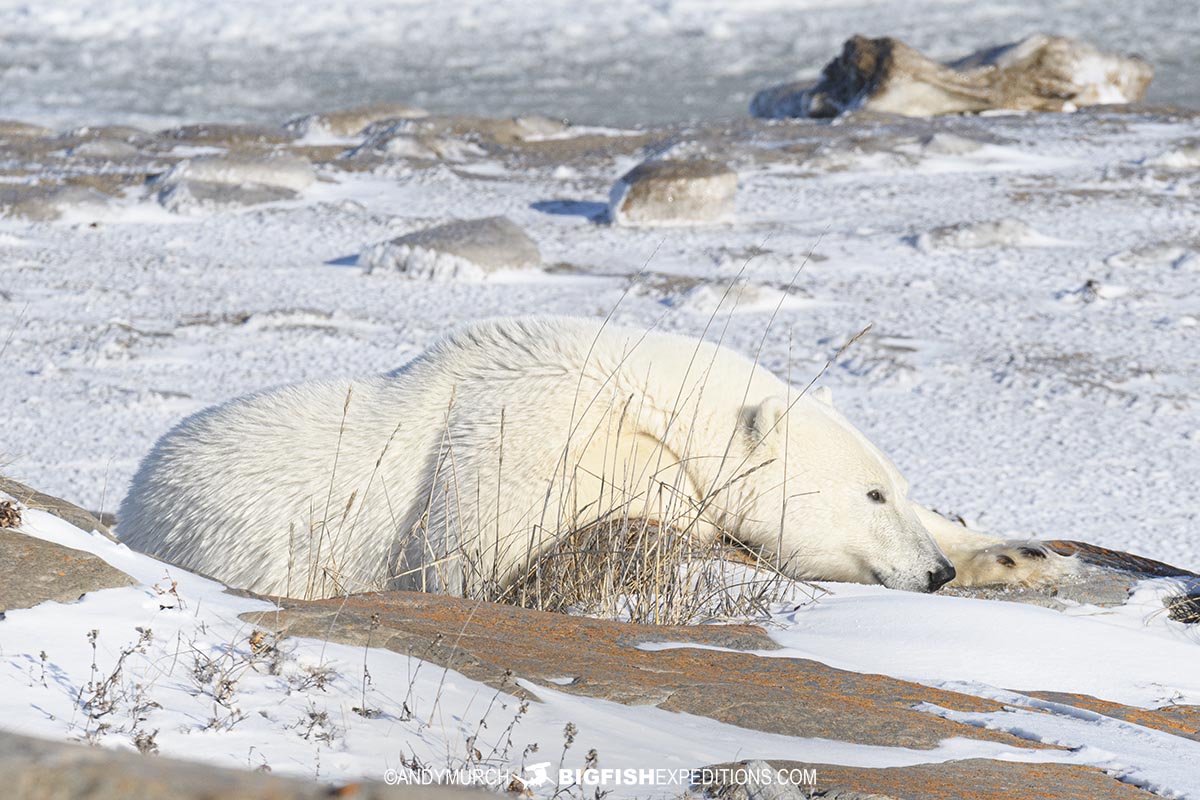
[(466, 463)]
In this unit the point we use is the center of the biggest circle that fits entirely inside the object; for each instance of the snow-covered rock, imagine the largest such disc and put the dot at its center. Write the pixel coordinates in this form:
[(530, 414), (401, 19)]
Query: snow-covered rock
[(1039, 73), (466, 250), (351, 121), (1170, 256), (737, 297), (284, 172), (111, 149), (45, 202), (13, 129), (1183, 157), (975, 235), (454, 138), (230, 181), (693, 191)]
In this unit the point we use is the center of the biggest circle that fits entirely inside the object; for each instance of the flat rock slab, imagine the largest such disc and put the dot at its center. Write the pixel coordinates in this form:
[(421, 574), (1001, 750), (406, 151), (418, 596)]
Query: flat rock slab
[(40, 501), (1039, 73), (969, 779), (597, 658), (461, 250), (686, 192), (34, 769), (33, 571)]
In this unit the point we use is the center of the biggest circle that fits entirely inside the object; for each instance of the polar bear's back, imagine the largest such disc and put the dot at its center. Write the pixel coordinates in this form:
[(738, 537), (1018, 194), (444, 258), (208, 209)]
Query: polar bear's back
[(245, 491)]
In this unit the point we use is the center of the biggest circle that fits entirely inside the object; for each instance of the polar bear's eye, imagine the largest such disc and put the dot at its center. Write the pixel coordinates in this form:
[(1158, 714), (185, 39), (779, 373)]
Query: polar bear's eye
[(876, 496)]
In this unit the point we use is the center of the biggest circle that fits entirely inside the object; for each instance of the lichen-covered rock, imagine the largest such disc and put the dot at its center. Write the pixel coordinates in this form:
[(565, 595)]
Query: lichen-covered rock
[(351, 121), (462, 250), (1040, 73), (690, 192), (33, 571)]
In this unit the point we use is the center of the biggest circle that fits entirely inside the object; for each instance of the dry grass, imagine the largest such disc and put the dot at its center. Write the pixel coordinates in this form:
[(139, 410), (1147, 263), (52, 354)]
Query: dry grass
[(642, 571)]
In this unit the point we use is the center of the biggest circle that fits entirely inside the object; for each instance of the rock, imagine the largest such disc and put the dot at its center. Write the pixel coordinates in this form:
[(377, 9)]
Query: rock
[(1040, 73), (35, 769), (455, 138), (739, 297), (226, 135), (42, 202), (351, 122), (187, 197), (490, 642), (673, 193), (462, 250), (12, 129), (283, 172), (1160, 255), (33, 571), (1184, 157), (213, 182), (111, 149), (977, 235), (68, 512)]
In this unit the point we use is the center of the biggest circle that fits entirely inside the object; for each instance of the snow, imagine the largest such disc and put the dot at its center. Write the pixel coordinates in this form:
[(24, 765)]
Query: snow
[(1133, 654)]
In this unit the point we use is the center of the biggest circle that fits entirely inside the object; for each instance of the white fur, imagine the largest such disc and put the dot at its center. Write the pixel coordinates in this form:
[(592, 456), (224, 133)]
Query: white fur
[(467, 462)]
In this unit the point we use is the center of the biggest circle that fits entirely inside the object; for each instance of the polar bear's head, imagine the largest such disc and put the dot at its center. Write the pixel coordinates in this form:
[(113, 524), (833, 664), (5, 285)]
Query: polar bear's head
[(826, 503)]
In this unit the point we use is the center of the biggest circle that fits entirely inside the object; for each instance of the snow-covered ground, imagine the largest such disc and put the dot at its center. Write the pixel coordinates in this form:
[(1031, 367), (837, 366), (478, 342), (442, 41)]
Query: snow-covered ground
[(1031, 283), (621, 62), (167, 664)]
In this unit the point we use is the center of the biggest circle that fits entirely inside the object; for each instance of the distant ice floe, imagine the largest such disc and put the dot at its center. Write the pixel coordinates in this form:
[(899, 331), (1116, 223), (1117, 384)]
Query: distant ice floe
[(464, 250), (222, 181), (977, 235)]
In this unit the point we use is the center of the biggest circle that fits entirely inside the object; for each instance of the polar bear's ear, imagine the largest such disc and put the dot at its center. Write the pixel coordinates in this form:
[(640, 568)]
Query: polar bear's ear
[(824, 394), (768, 418)]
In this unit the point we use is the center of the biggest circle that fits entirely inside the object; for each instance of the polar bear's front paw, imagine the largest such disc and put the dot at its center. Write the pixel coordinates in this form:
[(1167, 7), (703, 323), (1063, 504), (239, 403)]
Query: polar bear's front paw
[(1012, 563)]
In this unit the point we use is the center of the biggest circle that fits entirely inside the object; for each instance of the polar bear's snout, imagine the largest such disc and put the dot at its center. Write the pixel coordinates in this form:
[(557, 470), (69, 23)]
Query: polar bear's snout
[(941, 576)]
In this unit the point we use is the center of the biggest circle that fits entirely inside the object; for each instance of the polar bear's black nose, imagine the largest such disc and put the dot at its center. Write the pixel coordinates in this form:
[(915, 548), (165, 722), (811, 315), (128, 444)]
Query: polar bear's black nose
[(941, 576)]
